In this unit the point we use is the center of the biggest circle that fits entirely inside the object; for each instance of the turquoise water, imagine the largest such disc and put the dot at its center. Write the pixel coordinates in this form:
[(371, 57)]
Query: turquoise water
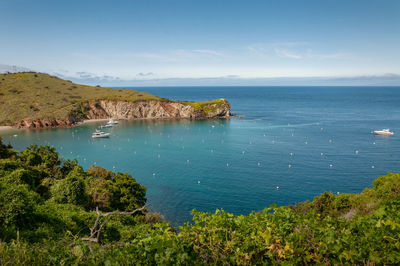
[(302, 140)]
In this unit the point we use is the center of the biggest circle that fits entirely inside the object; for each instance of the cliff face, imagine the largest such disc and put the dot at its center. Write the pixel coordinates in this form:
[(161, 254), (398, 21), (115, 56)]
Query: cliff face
[(152, 109)]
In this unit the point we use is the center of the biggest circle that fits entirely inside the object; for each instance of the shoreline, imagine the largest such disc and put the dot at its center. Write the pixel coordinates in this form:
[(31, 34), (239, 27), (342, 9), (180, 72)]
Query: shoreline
[(88, 121), (6, 128)]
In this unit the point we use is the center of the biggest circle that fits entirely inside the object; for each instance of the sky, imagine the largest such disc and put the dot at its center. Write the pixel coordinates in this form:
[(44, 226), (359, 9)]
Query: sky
[(122, 42)]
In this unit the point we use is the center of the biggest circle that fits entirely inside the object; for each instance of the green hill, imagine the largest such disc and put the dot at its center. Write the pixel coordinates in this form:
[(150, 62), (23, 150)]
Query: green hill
[(32, 96)]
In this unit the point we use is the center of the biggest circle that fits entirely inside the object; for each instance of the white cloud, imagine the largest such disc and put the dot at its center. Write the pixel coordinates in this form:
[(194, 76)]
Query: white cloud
[(287, 54), (210, 52)]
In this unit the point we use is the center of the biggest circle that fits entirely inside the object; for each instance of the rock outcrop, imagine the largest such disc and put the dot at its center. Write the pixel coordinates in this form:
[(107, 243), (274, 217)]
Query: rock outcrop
[(152, 109)]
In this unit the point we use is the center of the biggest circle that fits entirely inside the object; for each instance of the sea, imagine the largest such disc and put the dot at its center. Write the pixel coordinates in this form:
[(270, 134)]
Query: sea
[(289, 145)]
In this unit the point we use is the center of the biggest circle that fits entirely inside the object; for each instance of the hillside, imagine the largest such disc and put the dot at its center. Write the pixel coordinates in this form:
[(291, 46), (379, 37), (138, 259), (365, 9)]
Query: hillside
[(47, 216), (49, 101)]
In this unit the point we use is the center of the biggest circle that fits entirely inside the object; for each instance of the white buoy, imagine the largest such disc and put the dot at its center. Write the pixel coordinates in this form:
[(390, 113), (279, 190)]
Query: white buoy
[(212, 126), (372, 166), (306, 142), (338, 192), (187, 161), (356, 152), (374, 143), (265, 135), (289, 166), (277, 188), (198, 182), (330, 141), (322, 154), (291, 154), (154, 174), (273, 142), (15, 135), (227, 165), (242, 152), (322, 128), (292, 134), (330, 166), (259, 164)]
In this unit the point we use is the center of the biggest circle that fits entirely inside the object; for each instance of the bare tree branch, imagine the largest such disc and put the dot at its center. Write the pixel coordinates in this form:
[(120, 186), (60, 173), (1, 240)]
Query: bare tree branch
[(95, 231)]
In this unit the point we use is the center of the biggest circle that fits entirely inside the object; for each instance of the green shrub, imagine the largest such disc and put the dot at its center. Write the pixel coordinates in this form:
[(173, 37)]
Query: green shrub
[(17, 205), (71, 189)]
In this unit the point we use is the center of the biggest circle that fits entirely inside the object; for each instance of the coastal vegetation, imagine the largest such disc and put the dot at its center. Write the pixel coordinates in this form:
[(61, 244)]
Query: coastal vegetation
[(48, 208), (34, 96)]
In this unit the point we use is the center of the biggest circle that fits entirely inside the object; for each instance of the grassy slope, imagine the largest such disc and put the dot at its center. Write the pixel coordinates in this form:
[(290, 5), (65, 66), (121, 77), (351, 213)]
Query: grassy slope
[(36, 95), (31, 96)]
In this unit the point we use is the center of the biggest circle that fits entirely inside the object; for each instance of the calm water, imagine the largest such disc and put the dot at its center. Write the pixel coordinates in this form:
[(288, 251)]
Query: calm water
[(302, 140)]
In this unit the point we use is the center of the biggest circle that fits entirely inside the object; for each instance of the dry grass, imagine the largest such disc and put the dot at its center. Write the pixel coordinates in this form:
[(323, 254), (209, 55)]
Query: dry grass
[(31, 95)]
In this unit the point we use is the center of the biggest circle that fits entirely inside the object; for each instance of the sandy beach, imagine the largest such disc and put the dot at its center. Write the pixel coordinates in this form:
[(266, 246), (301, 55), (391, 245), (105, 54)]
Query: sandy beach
[(5, 128), (94, 120)]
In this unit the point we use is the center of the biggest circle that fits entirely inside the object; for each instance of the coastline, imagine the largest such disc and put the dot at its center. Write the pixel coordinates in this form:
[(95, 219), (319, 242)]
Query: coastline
[(6, 128), (93, 120)]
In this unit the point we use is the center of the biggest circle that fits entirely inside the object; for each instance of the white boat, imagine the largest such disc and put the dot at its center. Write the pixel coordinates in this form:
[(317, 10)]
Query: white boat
[(100, 134), (106, 126), (385, 132), (112, 122)]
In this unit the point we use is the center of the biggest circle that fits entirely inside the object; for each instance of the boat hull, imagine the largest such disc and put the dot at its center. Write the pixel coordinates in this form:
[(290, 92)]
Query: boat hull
[(383, 133), (102, 136)]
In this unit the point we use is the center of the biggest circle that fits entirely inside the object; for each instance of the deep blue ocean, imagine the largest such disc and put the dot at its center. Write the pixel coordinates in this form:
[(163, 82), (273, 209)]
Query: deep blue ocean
[(292, 144)]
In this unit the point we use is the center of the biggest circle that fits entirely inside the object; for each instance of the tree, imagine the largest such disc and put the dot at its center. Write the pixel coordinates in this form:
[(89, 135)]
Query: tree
[(5, 150), (17, 205), (127, 193), (71, 189)]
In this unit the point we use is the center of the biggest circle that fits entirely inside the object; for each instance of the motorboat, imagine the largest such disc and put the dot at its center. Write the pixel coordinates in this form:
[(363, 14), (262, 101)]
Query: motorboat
[(112, 122), (385, 132), (100, 134), (106, 126)]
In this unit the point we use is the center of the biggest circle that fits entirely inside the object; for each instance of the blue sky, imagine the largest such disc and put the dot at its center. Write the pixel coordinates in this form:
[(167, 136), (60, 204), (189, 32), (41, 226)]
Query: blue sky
[(118, 41)]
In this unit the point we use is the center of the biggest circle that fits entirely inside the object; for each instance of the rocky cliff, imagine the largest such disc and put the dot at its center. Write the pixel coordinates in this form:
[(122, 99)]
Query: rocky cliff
[(151, 109)]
